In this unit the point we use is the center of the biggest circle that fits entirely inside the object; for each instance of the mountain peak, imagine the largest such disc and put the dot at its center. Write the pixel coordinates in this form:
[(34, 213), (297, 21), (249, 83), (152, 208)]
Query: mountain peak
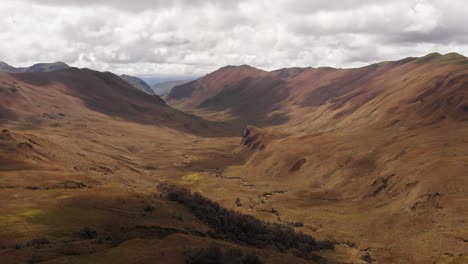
[(436, 57)]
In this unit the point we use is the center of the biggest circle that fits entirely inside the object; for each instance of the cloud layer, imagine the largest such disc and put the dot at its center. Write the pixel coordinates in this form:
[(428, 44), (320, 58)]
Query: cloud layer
[(193, 37)]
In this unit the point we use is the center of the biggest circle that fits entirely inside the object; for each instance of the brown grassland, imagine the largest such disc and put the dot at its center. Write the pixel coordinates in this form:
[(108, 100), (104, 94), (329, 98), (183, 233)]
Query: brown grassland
[(374, 159)]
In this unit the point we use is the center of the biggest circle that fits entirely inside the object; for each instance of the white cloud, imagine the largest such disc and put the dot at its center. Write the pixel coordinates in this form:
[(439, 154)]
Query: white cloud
[(193, 37)]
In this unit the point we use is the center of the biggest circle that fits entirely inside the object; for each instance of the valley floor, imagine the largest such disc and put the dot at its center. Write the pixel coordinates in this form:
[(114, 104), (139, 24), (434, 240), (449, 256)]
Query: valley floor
[(57, 179)]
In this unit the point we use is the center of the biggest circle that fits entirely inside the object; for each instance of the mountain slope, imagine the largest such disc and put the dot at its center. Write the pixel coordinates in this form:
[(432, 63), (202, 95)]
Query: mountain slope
[(196, 92), (288, 95), (376, 148), (373, 159), (81, 155), (137, 83), (99, 92)]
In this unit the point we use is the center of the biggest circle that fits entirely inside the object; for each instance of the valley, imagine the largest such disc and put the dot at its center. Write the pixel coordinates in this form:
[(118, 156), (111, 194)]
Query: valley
[(374, 159)]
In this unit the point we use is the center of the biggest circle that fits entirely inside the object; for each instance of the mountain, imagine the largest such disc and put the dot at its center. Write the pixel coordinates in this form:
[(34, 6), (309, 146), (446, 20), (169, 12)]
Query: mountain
[(376, 148), (163, 88), (138, 83), (99, 92), (339, 95), (297, 165), (88, 158), (6, 68), (196, 92), (39, 67)]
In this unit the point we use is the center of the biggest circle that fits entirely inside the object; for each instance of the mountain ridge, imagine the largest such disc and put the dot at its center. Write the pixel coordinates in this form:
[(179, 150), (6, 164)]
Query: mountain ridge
[(370, 159), (384, 141), (38, 67), (138, 83)]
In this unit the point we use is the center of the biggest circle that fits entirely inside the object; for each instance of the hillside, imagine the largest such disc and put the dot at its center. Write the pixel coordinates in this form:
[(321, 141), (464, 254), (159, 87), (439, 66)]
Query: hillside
[(39, 67), (298, 165), (137, 83), (82, 153), (375, 148), (98, 92)]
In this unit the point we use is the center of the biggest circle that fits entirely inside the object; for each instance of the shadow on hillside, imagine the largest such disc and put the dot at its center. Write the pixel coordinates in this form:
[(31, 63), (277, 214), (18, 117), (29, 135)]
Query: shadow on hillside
[(253, 100), (6, 115), (108, 94)]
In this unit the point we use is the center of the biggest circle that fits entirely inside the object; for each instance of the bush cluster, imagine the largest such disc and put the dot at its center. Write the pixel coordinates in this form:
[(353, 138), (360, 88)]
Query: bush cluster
[(234, 226), (215, 255), (88, 233)]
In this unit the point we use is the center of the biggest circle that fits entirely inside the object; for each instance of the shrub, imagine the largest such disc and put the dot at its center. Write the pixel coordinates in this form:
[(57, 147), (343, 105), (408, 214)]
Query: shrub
[(38, 242), (148, 208), (215, 254), (88, 233), (237, 227), (117, 238)]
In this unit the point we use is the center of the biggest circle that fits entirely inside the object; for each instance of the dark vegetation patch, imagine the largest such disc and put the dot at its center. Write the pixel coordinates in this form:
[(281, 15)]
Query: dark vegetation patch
[(253, 141), (216, 254), (148, 208), (38, 242), (63, 185), (430, 200), (465, 108), (150, 167), (88, 233), (234, 226), (297, 166), (70, 185), (378, 186), (25, 144), (8, 89), (121, 235)]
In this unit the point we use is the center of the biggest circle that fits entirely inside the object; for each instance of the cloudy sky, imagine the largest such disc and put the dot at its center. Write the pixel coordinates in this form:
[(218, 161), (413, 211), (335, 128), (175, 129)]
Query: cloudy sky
[(194, 37)]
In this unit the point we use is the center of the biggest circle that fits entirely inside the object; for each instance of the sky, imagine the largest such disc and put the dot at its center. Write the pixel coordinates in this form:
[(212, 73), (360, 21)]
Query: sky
[(195, 37)]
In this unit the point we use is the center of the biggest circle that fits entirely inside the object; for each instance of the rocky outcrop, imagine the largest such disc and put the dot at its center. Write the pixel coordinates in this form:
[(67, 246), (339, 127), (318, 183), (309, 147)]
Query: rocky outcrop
[(252, 138)]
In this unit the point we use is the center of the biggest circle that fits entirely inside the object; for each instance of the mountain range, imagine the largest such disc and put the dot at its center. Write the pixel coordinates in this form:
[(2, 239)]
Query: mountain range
[(159, 88), (296, 165)]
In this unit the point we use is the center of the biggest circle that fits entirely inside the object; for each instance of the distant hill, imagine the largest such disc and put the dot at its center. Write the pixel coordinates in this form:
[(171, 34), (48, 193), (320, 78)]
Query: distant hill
[(164, 88), (99, 92), (137, 83), (39, 67)]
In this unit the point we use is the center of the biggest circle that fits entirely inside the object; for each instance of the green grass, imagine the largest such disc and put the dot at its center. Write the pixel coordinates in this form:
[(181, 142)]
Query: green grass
[(58, 222), (67, 219)]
